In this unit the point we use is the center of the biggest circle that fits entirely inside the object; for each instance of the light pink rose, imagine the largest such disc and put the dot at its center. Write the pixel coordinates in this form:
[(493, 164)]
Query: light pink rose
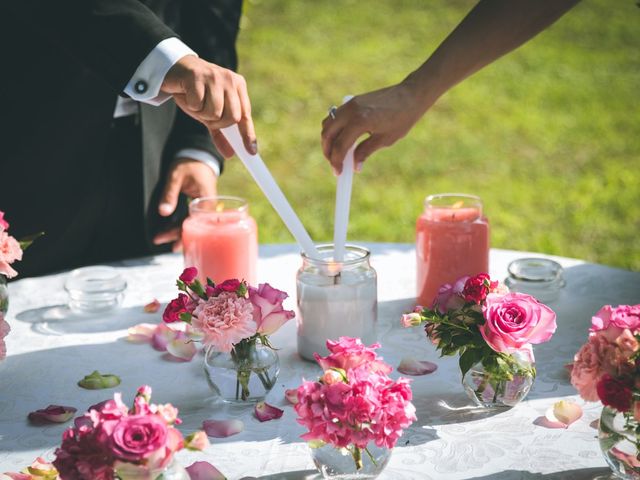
[(136, 437), (268, 312), (514, 320), (10, 251), (224, 320)]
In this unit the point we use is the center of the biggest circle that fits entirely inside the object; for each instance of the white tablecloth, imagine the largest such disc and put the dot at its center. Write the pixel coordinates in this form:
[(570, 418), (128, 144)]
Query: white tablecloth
[(48, 354)]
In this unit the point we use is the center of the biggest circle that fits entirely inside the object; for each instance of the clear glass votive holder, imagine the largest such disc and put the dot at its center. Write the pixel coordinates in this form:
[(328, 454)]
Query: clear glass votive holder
[(539, 277), (95, 289)]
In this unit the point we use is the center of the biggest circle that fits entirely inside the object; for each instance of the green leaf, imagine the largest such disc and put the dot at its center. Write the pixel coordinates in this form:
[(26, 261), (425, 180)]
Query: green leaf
[(97, 381), (27, 241), (468, 359), (185, 317)]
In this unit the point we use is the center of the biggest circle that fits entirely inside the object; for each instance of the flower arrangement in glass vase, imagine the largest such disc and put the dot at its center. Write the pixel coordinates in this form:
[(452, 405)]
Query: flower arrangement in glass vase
[(354, 412), (492, 331), (234, 321), (607, 368), (111, 441)]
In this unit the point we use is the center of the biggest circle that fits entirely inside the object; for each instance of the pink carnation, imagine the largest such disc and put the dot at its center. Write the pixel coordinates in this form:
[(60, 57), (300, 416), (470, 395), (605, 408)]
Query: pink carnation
[(348, 353), (477, 288), (179, 305), (514, 320), (224, 320), (623, 316), (268, 312), (188, 275), (10, 251)]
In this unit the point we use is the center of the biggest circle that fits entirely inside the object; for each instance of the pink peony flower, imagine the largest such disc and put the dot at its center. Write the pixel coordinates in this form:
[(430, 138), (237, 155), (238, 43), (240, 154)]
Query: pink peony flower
[(224, 320), (188, 275), (348, 353), (136, 437), (4, 225), (477, 288), (179, 305), (10, 251), (268, 312), (449, 296), (514, 320)]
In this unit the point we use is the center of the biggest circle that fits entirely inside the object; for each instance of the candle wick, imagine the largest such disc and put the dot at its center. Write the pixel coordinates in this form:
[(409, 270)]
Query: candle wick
[(336, 278)]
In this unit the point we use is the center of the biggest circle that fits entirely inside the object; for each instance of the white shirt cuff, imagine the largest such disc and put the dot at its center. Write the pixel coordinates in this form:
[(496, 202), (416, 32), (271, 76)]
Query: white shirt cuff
[(201, 156), (144, 85)]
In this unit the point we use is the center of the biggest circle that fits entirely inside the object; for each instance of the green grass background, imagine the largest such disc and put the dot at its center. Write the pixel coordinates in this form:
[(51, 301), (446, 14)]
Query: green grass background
[(548, 136)]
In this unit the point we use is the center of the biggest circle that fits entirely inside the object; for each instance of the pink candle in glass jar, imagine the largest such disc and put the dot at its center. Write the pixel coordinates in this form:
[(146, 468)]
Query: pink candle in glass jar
[(452, 240), (221, 239)]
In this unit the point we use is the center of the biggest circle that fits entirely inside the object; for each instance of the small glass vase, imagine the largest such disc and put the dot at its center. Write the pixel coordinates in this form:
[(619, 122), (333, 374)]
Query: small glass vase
[(350, 463), (173, 471), (490, 390), (4, 295), (246, 374), (619, 442)]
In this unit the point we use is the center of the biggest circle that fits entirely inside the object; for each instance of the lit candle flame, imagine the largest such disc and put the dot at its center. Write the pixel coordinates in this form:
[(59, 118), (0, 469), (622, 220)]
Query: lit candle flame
[(333, 268), (458, 204), (220, 207)]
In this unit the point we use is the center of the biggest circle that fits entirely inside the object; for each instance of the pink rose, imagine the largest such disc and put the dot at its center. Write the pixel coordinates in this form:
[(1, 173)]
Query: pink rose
[(477, 288), (514, 320), (4, 225), (136, 437), (449, 296), (10, 251), (268, 312), (188, 275), (224, 320), (177, 306), (348, 353)]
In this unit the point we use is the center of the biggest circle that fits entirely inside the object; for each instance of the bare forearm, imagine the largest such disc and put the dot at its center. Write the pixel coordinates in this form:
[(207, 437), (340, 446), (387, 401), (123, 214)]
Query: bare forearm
[(492, 29)]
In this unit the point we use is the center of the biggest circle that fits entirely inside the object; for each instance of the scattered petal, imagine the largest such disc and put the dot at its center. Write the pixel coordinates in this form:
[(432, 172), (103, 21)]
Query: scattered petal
[(222, 428), (291, 395), (196, 441), (141, 333), (52, 414), (564, 412), (14, 476), (544, 422), (152, 307), (411, 366), (97, 381), (182, 348), (40, 469), (204, 471), (265, 412), (162, 335)]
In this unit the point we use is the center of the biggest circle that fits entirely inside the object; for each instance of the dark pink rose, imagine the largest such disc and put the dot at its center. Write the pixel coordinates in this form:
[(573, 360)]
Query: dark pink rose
[(177, 306), (477, 288), (268, 312), (188, 275), (136, 437), (514, 320)]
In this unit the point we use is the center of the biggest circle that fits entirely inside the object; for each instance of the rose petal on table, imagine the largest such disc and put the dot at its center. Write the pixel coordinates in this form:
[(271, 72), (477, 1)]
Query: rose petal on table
[(595, 424), (97, 381), (14, 476), (222, 428), (544, 422), (265, 412), (153, 306), (291, 394), (565, 412), (141, 333), (161, 337), (182, 348), (411, 366), (204, 471), (52, 414)]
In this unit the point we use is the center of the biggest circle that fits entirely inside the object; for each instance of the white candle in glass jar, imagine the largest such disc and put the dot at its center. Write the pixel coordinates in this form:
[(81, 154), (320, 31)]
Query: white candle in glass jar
[(335, 299)]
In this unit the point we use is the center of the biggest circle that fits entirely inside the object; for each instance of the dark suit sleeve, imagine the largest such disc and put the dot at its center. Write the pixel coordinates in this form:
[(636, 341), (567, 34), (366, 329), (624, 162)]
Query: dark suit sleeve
[(111, 37), (210, 28)]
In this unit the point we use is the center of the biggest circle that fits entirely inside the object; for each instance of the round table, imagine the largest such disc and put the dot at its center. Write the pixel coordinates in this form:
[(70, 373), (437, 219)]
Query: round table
[(49, 351)]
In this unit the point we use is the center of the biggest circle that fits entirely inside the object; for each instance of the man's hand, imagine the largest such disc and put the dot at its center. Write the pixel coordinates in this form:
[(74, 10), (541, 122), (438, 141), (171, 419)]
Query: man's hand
[(215, 96), (194, 179)]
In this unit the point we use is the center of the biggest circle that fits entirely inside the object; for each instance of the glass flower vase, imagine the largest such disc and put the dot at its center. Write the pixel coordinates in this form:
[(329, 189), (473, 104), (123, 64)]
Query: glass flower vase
[(619, 442), (246, 374), (128, 471), (350, 463), (489, 387), (4, 295)]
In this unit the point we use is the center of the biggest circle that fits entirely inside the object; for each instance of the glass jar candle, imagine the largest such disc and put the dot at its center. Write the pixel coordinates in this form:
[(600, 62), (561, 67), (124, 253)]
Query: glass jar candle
[(220, 239), (452, 240), (335, 299)]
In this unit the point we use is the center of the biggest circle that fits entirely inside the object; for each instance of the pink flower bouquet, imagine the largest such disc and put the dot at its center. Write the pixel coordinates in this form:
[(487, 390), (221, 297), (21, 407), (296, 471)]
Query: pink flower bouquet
[(607, 369), (112, 441), (235, 318), (483, 323), (354, 404), (11, 249)]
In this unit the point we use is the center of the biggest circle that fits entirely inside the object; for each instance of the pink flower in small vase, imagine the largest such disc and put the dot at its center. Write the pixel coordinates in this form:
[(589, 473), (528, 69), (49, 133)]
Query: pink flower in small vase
[(449, 296), (587, 368), (224, 320), (477, 288), (349, 353), (188, 275), (514, 320), (231, 285), (136, 437), (268, 312), (10, 251), (177, 306)]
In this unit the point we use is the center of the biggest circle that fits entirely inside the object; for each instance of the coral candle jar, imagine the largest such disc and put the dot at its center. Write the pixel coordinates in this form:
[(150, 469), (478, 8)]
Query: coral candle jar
[(220, 239), (452, 240)]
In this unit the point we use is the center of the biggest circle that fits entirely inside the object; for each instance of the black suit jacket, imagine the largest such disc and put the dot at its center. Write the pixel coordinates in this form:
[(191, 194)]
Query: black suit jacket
[(65, 62)]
